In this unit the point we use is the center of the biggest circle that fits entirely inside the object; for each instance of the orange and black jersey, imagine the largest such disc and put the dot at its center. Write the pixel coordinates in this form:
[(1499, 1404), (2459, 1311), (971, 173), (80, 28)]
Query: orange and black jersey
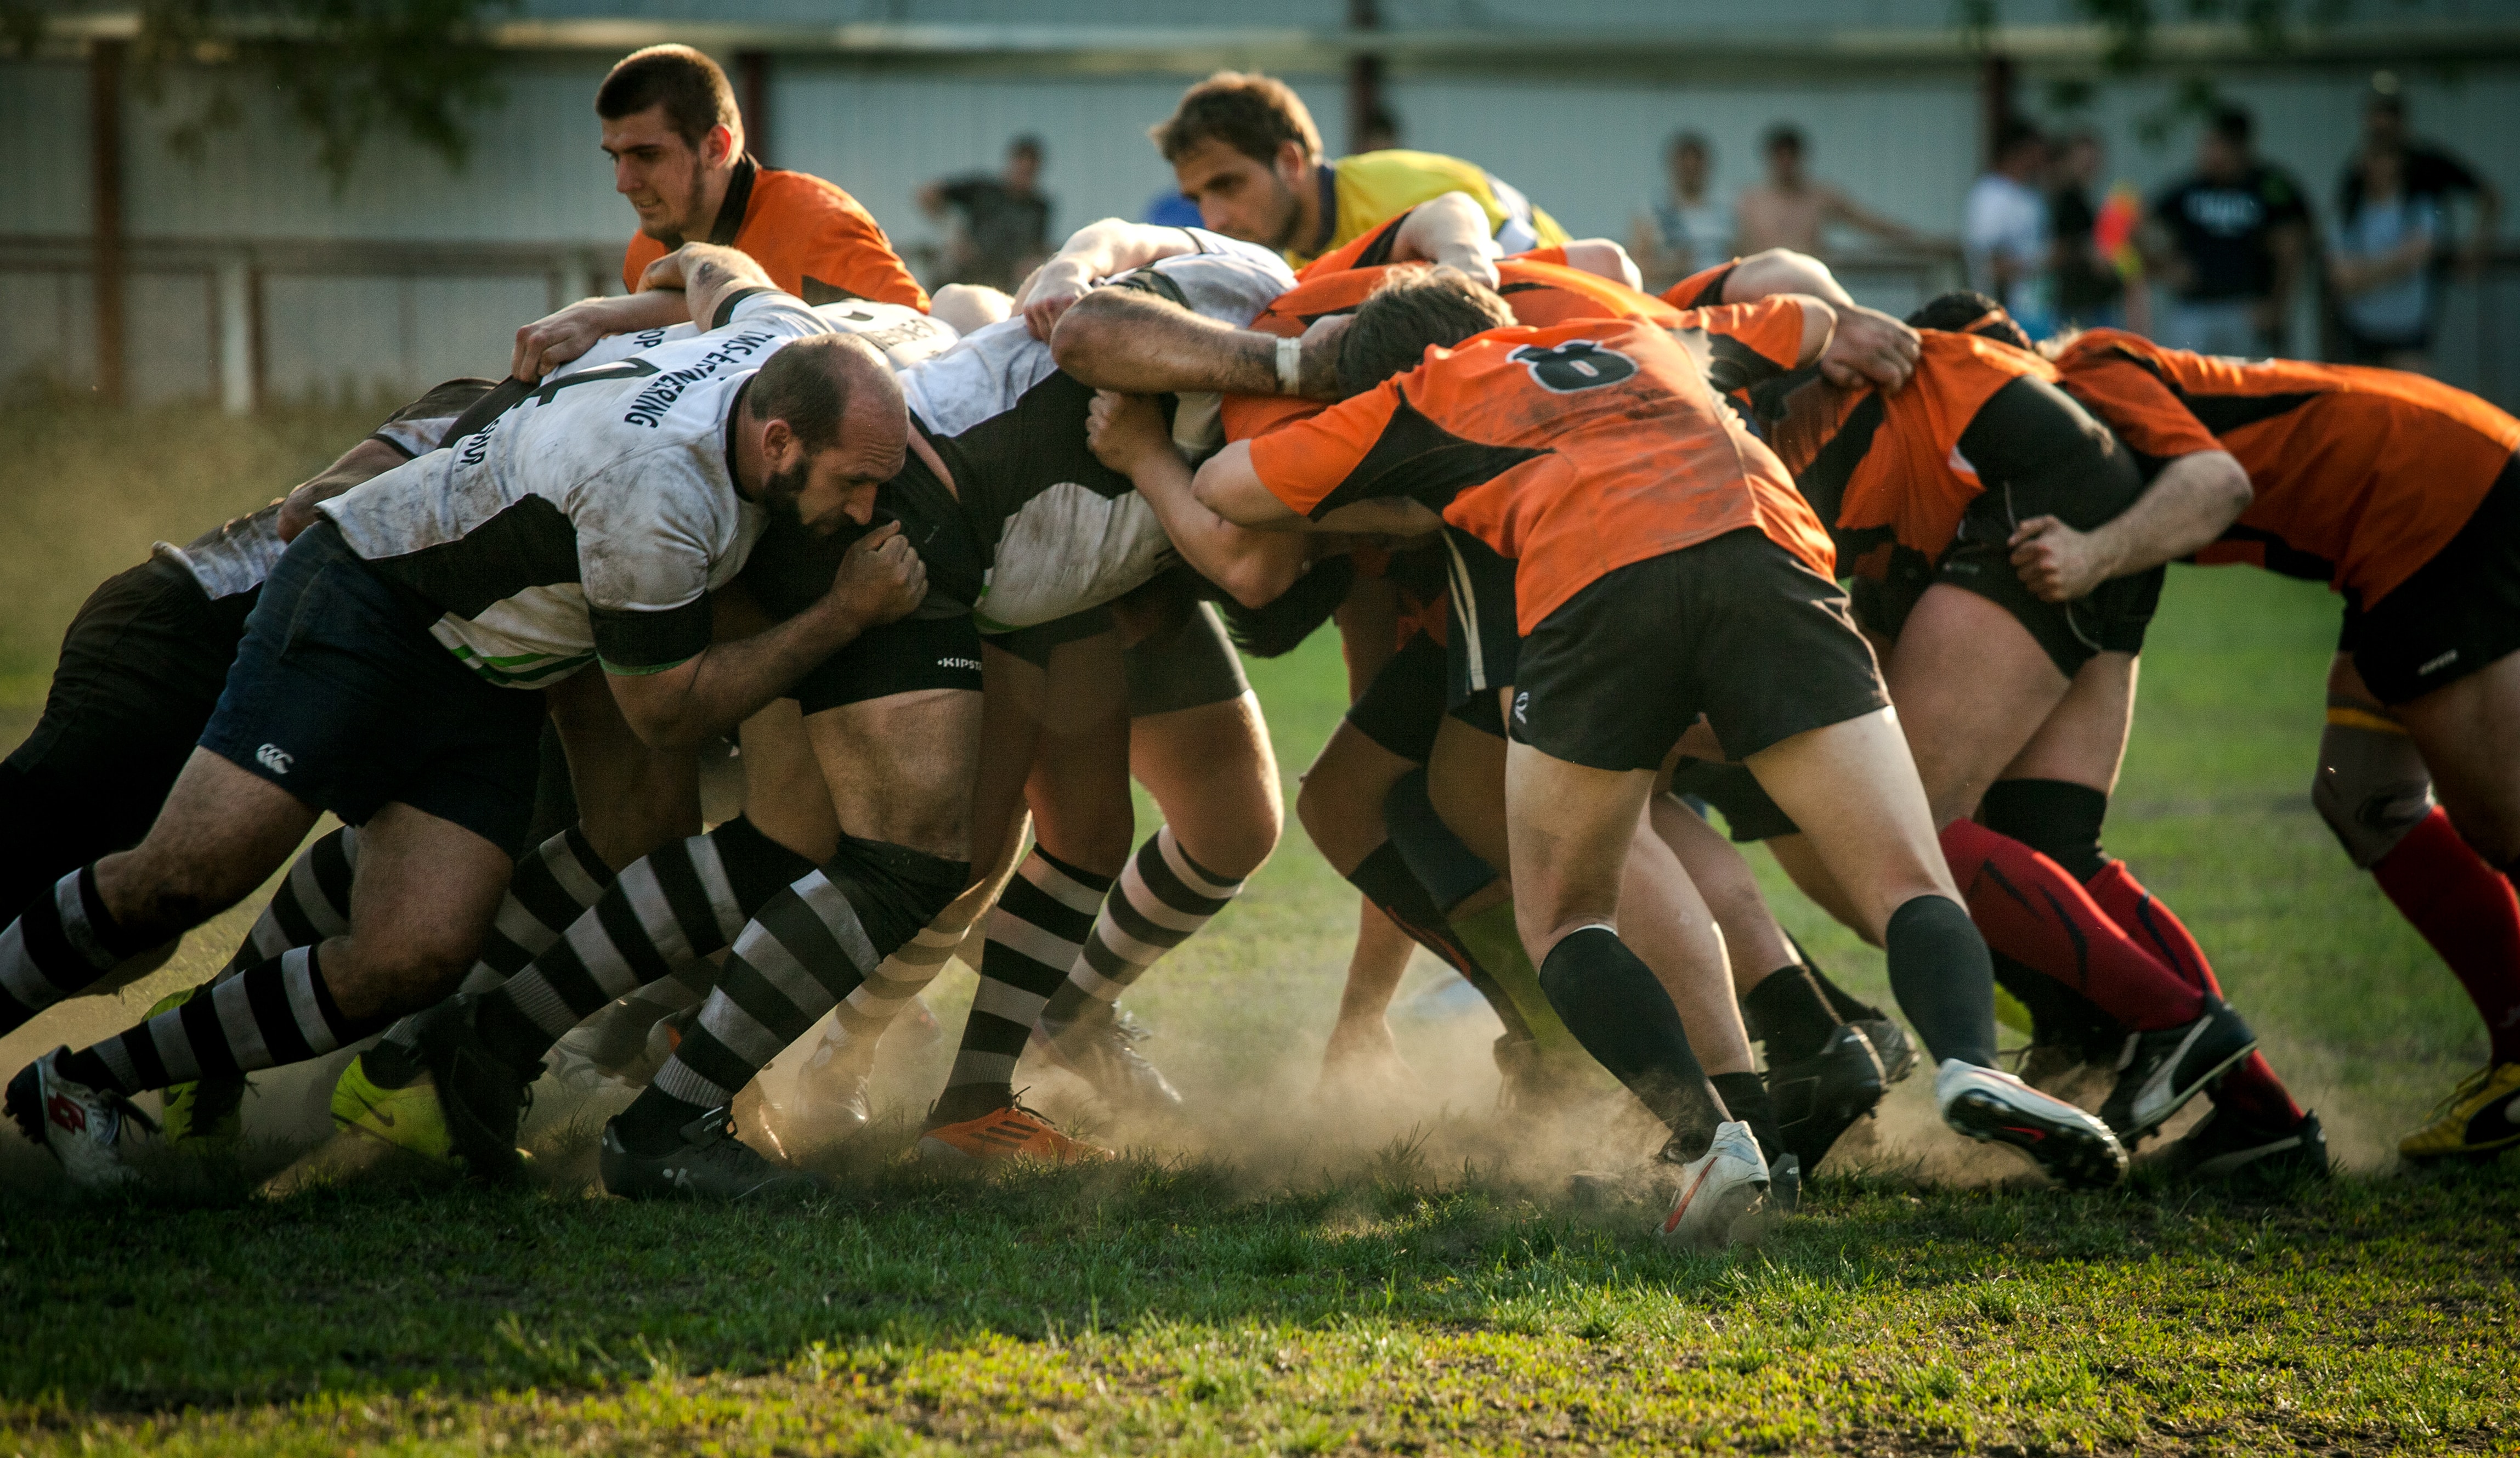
[(1574, 451), (2362, 475), (813, 240), (1747, 343), (1901, 470)]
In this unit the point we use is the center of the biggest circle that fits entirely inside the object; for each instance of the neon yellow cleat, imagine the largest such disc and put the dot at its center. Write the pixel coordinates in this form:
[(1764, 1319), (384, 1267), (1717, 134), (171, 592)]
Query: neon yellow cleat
[(409, 1119), (206, 1111), (2480, 1118)]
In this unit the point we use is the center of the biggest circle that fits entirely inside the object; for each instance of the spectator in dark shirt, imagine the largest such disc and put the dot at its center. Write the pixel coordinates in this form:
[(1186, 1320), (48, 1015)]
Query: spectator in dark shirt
[(2229, 243), (2099, 283), (2431, 174), (1002, 222)]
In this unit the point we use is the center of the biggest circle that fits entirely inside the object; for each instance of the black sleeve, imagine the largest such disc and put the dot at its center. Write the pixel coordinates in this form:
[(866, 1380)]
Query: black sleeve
[(649, 642)]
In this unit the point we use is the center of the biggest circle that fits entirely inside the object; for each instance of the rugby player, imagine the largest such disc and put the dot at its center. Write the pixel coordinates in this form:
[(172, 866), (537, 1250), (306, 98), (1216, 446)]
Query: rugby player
[(387, 675), (1621, 509), (2398, 491), (1243, 147)]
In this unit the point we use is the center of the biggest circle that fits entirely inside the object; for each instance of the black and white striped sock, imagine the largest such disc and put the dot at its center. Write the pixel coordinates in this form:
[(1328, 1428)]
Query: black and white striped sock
[(1040, 924), (1163, 900), (808, 947), (312, 902), (62, 943), (273, 1013), (664, 914)]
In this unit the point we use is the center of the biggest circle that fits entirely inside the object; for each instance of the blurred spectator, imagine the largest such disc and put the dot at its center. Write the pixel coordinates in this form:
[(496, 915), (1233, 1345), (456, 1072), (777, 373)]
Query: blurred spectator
[(1003, 221), (1790, 209), (2100, 277), (2004, 229), (2429, 173), (1688, 227), (2229, 243), (1380, 131), (2379, 257)]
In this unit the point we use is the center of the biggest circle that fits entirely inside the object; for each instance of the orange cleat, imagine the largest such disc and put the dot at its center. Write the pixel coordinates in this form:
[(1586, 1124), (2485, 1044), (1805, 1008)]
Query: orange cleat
[(1014, 1132)]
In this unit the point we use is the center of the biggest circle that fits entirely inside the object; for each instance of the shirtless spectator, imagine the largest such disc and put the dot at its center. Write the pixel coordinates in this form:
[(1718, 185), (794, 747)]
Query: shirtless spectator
[(1790, 211)]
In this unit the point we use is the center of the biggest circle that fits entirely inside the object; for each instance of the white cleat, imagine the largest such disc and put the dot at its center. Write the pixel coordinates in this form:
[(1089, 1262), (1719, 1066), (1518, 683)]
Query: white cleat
[(1715, 1189), (90, 1130), (1992, 1107)]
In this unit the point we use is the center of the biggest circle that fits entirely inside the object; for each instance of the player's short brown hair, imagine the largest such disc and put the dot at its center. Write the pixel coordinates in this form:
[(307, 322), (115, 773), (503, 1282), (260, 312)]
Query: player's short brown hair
[(809, 383), (1408, 310), (688, 84), (1248, 112)]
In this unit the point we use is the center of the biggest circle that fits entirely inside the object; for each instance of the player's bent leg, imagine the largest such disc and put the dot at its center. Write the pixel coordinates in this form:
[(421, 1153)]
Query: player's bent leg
[(1972, 686)]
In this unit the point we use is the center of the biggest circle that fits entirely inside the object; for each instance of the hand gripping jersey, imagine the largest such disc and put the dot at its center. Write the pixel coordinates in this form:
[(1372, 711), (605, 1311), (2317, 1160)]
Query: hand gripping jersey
[(816, 241), (1061, 532), (1361, 193), (1575, 450), (1746, 343), (1888, 470), (902, 335), (235, 557), (2362, 475), (590, 521)]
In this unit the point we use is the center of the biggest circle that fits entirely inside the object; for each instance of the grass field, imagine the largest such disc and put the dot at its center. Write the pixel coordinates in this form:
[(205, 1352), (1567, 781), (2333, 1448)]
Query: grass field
[(1276, 1275)]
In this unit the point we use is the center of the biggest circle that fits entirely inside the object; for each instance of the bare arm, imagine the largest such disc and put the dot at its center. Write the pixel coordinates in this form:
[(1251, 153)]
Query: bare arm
[(1783, 271), (1132, 341), (1127, 434), (706, 273), (1839, 208), (554, 339), (1604, 257), (1453, 230), (1227, 487), (363, 461), (2189, 504), (1098, 250), (880, 579), (1868, 347)]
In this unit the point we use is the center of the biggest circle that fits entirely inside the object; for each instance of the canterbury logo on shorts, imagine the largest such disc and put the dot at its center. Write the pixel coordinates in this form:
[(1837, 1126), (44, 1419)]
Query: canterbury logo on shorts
[(1521, 704), (274, 758)]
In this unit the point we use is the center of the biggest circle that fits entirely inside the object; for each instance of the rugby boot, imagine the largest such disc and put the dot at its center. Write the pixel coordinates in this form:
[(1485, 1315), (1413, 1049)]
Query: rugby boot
[(1821, 1097), (1891, 1045), (405, 1114), (2479, 1120), (831, 1100), (205, 1111), (481, 1097), (1014, 1132), (1715, 1189), (2227, 1147), (706, 1162), (2158, 1072), (91, 1132), (1099, 1045), (1992, 1107), (1786, 1184)]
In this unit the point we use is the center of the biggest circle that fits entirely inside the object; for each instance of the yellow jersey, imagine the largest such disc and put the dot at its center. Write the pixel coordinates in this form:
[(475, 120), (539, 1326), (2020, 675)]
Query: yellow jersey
[(1362, 193)]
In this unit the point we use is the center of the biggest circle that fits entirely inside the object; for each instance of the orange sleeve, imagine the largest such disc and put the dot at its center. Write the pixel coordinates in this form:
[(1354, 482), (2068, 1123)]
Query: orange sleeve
[(844, 246), (1247, 416), (2132, 400), (1557, 256), (642, 252), (1306, 463), (1700, 289), (1375, 241), (1771, 328)]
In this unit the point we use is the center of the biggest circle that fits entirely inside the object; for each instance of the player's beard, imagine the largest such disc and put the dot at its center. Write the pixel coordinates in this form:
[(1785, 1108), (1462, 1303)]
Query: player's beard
[(782, 492), (1290, 216)]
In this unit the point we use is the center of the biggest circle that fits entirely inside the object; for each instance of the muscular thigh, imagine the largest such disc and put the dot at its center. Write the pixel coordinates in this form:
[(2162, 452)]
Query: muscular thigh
[(901, 768), (1971, 687)]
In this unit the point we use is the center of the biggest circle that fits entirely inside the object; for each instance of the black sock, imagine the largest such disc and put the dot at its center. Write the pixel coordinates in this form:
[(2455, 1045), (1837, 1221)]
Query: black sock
[(1035, 934), (66, 940), (654, 1122), (1848, 1007), (1789, 1015), (1943, 979), (2057, 818), (272, 1014), (1612, 1002), (1745, 1098), (1450, 870), (1396, 891)]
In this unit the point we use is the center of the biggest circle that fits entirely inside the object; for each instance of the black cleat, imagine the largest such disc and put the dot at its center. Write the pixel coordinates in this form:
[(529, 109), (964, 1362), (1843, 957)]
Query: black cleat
[(481, 1097), (2225, 1147), (2160, 1072), (706, 1162), (1100, 1047), (1821, 1097), (1891, 1045)]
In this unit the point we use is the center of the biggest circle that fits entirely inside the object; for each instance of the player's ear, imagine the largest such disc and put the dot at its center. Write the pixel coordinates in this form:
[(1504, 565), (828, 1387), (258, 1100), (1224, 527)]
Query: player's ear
[(777, 442), (719, 145), (1292, 161)]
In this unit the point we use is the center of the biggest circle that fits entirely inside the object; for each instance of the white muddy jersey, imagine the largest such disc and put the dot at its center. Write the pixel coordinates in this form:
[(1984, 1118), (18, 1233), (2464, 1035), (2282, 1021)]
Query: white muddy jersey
[(1058, 531), (589, 520), (902, 335)]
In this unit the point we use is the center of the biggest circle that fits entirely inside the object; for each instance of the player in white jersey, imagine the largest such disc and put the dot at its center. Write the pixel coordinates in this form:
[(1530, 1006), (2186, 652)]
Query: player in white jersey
[(383, 677)]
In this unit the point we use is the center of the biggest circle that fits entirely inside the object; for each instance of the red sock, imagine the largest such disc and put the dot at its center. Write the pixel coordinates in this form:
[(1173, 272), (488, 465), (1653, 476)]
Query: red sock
[(2036, 914), (2467, 909), (2250, 1089)]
